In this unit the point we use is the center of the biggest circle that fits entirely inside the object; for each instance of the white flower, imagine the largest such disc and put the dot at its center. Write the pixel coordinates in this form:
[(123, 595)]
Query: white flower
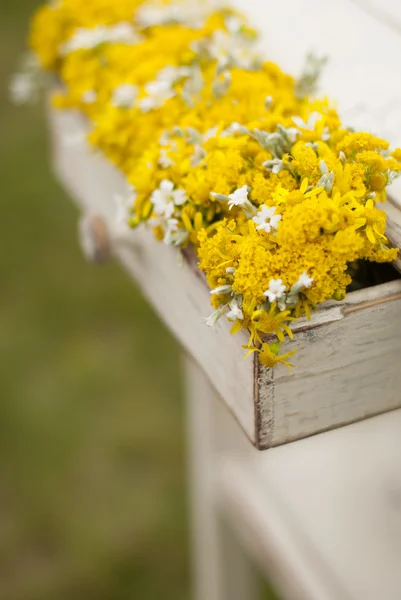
[(164, 160), (221, 289), (190, 14), (166, 198), (239, 197), (173, 74), (158, 93), (268, 102), (231, 49), (314, 117), (235, 313), (21, 88), (84, 39), (89, 97), (173, 235), (88, 38), (215, 316), (124, 96), (266, 219), (210, 133), (123, 33), (304, 281), (276, 290), (233, 24), (124, 203), (198, 155)]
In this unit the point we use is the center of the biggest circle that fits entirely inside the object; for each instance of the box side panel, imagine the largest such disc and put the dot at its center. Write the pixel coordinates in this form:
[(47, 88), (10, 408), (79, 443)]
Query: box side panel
[(172, 286), (345, 371)]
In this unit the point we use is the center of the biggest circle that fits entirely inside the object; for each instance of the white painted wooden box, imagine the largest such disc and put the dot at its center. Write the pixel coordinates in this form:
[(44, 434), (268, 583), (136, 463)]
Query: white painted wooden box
[(346, 366)]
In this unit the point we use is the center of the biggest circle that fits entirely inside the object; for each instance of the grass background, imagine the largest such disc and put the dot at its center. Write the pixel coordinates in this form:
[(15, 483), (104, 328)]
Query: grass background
[(92, 452)]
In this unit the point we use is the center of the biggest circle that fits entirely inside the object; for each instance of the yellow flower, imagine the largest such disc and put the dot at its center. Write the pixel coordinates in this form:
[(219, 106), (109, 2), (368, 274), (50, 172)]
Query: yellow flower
[(210, 136), (272, 321), (375, 223), (269, 357)]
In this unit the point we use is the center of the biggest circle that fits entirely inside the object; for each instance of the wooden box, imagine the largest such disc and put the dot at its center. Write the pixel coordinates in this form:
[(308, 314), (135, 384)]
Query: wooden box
[(346, 366)]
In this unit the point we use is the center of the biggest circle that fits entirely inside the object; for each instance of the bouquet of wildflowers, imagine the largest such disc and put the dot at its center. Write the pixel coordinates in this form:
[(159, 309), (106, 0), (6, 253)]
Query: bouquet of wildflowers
[(223, 151)]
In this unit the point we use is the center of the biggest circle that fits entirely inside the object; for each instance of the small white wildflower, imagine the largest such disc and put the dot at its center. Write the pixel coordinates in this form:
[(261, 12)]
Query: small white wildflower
[(174, 236), (230, 270), (89, 97), (198, 155), (165, 198), (221, 289), (158, 93), (124, 96), (172, 74), (210, 133), (304, 281), (84, 39), (313, 118), (268, 102), (215, 316), (124, 203), (123, 33), (162, 201), (232, 50), (267, 219), (89, 38), (342, 157), (276, 290), (193, 15), (235, 313), (239, 197), (233, 24), (326, 134), (164, 160)]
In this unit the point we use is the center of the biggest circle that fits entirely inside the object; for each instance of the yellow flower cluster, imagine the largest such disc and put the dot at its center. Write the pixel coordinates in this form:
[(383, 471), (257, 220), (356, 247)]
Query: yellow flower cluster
[(221, 150)]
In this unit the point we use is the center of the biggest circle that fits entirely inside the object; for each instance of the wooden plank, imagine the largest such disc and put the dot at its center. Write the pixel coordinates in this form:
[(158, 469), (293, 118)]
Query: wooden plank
[(322, 515), (174, 289), (346, 369)]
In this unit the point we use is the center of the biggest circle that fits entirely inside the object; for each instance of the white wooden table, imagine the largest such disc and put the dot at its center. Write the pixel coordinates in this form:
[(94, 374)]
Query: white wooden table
[(321, 515)]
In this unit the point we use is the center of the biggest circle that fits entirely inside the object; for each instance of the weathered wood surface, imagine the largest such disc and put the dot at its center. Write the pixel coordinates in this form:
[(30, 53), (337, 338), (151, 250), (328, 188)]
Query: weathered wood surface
[(323, 515), (346, 367)]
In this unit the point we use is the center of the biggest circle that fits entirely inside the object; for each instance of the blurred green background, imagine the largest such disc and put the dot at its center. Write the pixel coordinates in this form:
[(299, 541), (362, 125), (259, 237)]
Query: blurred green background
[(92, 449), (92, 461)]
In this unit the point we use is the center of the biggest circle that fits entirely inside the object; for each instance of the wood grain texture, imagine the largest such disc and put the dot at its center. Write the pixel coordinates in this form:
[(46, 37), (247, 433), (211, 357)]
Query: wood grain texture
[(346, 362), (346, 369), (322, 516)]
